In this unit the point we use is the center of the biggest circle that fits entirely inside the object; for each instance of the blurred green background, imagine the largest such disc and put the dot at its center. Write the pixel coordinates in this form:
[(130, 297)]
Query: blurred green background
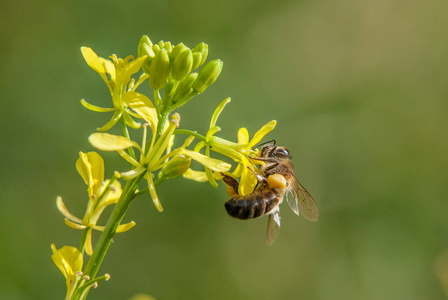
[(359, 90)]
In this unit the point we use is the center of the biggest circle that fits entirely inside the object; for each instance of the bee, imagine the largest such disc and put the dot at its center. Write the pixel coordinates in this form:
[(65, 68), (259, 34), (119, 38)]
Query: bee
[(267, 196)]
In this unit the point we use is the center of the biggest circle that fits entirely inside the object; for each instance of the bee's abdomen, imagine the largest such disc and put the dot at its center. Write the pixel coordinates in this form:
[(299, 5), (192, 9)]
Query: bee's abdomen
[(254, 205)]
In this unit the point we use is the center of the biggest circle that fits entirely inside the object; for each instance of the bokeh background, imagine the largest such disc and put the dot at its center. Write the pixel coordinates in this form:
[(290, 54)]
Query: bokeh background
[(359, 90)]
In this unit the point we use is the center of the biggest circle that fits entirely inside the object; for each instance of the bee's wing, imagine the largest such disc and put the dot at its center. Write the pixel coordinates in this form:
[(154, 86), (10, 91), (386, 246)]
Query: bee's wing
[(301, 201), (273, 227)]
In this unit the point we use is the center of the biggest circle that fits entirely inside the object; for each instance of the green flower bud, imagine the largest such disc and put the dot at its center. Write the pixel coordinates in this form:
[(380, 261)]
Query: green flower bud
[(159, 69), (155, 48), (176, 167), (184, 90), (199, 60), (145, 48), (168, 47), (182, 65), (177, 50), (161, 43), (143, 41), (207, 75)]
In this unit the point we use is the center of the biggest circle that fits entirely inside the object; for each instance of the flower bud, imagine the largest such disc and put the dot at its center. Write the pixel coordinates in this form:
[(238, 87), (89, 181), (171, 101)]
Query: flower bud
[(177, 50), (155, 48), (168, 47), (184, 91), (208, 75), (159, 69), (176, 167), (145, 48), (144, 40), (199, 60), (182, 65)]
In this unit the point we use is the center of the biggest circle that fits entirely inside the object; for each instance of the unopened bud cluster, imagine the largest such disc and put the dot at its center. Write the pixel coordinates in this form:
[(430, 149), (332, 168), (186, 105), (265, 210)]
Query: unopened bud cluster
[(173, 68)]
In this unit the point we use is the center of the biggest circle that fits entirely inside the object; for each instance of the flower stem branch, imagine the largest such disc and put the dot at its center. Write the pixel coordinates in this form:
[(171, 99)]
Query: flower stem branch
[(126, 134), (191, 133), (115, 219)]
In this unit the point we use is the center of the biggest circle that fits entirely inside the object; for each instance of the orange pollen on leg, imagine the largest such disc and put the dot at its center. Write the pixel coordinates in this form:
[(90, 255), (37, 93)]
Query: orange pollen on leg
[(277, 181)]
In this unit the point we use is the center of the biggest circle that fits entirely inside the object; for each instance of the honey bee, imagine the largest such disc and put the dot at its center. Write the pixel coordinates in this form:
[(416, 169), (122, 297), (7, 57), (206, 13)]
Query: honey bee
[(265, 199)]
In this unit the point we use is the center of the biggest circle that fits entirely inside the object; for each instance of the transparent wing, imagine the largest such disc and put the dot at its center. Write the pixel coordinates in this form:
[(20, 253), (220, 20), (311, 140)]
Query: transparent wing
[(301, 201), (273, 227)]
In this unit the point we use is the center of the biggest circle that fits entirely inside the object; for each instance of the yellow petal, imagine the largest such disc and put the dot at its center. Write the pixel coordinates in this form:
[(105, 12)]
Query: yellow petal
[(142, 297), (74, 225), (212, 163), (120, 228), (114, 193), (88, 245), (243, 136), (110, 142), (248, 182), (94, 107), (109, 67), (209, 172), (261, 133), (68, 259), (211, 132), (133, 66), (125, 227), (143, 106), (93, 60), (218, 111), (195, 175), (153, 192), (91, 168), (63, 209)]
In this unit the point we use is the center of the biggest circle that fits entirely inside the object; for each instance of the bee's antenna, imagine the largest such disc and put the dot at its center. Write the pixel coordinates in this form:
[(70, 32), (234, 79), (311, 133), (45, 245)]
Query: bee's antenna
[(271, 141)]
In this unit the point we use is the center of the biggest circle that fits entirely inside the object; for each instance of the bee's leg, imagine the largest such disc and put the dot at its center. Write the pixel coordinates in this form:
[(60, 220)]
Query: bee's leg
[(266, 159), (230, 182), (260, 177), (274, 162)]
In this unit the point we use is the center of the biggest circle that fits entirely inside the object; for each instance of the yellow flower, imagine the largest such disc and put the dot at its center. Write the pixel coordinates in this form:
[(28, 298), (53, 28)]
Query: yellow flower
[(101, 194), (240, 152), (157, 156), (117, 73), (69, 260)]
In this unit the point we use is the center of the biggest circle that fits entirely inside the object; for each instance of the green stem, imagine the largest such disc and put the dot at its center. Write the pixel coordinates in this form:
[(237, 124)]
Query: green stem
[(126, 134), (164, 114), (82, 244), (115, 219), (189, 132)]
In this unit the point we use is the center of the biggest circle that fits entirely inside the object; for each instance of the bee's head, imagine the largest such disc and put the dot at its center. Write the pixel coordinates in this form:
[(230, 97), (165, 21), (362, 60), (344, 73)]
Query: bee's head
[(271, 150)]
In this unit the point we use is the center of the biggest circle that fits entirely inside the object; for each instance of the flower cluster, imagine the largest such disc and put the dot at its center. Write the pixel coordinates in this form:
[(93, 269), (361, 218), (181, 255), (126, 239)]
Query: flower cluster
[(172, 73)]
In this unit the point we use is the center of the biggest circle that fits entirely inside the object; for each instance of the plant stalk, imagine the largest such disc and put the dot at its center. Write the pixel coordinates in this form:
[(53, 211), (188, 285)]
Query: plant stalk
[(115, 219)]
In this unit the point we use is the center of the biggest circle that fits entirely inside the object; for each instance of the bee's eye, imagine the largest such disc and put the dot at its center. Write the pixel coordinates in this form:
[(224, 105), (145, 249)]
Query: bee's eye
[(283, 151)]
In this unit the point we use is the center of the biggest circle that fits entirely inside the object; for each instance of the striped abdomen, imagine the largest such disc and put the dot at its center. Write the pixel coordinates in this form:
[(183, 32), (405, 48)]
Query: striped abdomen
[(254, 205)]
